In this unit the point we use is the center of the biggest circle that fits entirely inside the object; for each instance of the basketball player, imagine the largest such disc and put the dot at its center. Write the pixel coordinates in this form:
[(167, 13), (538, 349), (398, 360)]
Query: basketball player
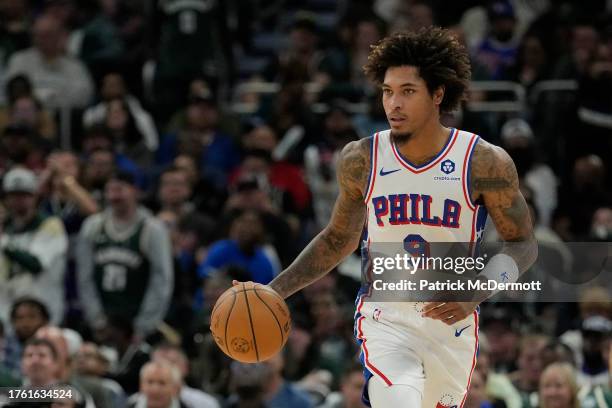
[(421, 180)]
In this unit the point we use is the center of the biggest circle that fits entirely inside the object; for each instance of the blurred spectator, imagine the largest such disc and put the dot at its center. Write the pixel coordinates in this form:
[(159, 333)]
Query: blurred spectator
[(56, 336), (351, 387), (7, 379), (127, 352), (40, 363), (190, 397), (100, 45), (197, 26), (292, 119), (59, 80), (557, 352), (320, 160), (113, 89), (101, 157), (191, 236), (248, 384), (499, 49), (601, 226), (208, 198), (584, 40), (124, 261), (22, 147), (558, 387), (367, 124), (14, 28), (201, 138), (588, 181), (411, 16), (343, 65), (282, 181), (518, 140), (92, 366), (174, 192), (532, 63), (244, 248), (127, 135), (500, 325), (331, 335), (199, 89), (530, 366), (26, 111), (160, 383), (64, 196), (477, 396), (33, 246), (300, 59), (499, 388), (59, 338), (278, 392), (259, 158), (594, 105), (27, 316)]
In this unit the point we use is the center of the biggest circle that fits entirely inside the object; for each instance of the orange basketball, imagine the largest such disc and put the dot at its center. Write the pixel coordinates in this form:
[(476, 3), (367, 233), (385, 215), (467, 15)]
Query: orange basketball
[(250, 322)]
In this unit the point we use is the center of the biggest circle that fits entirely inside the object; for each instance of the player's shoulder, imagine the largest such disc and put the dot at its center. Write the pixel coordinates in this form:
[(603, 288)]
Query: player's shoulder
[(354, 163), (357, 153), (487, 154)]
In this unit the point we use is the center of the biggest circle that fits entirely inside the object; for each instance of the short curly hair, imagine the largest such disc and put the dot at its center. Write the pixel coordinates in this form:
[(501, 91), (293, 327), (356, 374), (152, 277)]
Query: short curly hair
[(437, 54)]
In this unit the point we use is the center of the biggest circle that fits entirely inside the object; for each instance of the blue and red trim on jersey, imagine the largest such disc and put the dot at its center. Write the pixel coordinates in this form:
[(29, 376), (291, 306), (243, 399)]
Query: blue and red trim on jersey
[(467, 164), (373, 165), (435, 160), (467, 388)]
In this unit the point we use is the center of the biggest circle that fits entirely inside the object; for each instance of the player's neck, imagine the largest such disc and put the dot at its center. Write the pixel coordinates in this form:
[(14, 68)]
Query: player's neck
[(424, 143)]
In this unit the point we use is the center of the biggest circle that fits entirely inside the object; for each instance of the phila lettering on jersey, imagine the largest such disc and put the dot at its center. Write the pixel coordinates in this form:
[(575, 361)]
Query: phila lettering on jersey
[(430, 202)]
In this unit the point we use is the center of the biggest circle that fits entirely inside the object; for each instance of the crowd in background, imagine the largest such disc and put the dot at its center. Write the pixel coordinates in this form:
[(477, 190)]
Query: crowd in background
[(143, 168)]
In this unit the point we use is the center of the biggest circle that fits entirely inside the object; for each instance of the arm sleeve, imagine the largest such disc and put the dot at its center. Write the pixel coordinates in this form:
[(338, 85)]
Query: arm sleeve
[(161, 283), (88, 293), (25, 259)]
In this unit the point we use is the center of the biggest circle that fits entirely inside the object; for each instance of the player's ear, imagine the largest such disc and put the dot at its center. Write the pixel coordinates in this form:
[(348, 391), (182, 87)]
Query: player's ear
[(438, 95)]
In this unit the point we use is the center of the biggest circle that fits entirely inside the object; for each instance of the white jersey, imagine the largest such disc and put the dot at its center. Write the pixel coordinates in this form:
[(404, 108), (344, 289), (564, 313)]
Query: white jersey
[(408, 207), (426, 203)]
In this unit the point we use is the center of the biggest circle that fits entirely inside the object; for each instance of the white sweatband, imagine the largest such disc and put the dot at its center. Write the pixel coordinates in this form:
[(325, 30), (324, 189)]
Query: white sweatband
[(501, 268)]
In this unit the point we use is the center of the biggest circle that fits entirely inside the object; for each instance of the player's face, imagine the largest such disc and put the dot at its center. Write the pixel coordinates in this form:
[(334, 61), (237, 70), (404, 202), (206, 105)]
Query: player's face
[(408, 104)]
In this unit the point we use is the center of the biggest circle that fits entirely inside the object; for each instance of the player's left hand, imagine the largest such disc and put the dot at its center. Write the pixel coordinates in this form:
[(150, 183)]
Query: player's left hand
[(449, 312)]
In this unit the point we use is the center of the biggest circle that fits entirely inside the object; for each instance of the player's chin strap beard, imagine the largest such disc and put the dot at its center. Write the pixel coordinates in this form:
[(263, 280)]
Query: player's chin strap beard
[(400, 138)]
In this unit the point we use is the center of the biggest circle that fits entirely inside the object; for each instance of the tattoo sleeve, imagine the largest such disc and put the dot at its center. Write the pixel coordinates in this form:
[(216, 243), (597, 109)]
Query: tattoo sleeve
[(342, 234), (495, 181)]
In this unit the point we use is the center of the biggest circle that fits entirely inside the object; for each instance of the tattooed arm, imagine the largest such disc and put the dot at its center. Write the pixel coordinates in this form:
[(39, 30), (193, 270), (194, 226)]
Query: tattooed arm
[(495, 181), (342, 234)]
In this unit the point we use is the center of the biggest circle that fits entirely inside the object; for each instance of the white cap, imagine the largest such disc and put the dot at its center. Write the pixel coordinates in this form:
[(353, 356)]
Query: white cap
[(514, 128), (20, 180)]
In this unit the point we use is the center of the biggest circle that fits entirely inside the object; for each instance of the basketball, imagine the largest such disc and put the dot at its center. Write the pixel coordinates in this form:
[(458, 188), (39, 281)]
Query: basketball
[(250, 322)]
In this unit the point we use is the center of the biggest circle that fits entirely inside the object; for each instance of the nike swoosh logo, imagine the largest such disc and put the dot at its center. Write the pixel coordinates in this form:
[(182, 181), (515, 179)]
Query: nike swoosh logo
[(384, 173), (458, 332)]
